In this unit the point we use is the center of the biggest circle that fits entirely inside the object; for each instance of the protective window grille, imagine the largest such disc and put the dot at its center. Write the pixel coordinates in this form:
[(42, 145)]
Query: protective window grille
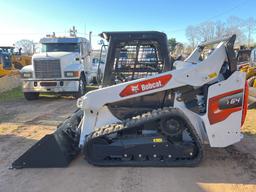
[(136, 60)]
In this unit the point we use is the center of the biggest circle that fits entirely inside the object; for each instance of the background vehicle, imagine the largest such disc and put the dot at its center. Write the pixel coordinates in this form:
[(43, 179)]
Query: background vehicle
[(243, 56), (6, 67), (147, 113), (11, 62), (98, 60), (62, 67), (250, 69), (20, 60)]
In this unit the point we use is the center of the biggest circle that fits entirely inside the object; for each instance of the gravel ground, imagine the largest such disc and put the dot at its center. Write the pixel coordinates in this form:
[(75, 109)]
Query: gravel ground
[(22, 123)]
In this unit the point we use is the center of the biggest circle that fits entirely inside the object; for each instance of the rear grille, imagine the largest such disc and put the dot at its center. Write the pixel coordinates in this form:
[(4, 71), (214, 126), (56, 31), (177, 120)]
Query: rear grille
[(47, 68)]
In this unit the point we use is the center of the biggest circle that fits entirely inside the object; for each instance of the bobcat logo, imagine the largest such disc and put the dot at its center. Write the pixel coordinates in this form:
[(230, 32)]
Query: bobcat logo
[(145, 85), (135, 88)]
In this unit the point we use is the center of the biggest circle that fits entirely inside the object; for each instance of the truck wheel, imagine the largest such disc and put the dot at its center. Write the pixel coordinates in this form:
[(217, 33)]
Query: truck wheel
[(81, 88), (31, 95)]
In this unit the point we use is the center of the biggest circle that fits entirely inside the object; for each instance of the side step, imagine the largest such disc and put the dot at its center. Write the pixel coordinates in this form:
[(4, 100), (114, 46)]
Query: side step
[(54, 150)]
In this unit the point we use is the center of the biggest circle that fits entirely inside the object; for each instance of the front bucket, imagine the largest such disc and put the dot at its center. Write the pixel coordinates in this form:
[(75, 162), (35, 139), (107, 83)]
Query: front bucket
[(54, 150)]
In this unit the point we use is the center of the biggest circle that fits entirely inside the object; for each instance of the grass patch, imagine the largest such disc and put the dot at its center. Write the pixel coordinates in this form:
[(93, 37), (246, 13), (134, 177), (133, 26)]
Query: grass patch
[(16, 94), (11, 95)]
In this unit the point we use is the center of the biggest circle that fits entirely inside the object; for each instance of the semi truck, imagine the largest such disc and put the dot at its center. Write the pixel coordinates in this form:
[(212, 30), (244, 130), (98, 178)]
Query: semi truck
[(63, 66)]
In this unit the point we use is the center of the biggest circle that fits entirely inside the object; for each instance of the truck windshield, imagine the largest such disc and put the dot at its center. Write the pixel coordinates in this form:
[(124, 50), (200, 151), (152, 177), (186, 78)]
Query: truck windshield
[(59, 47)]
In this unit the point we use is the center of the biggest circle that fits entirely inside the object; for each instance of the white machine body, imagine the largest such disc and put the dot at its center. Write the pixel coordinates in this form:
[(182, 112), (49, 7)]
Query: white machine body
[(218, 127)]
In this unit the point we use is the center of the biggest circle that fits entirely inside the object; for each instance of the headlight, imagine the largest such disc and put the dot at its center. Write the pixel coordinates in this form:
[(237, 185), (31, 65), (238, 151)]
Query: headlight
[(71, 73), (26, 75)]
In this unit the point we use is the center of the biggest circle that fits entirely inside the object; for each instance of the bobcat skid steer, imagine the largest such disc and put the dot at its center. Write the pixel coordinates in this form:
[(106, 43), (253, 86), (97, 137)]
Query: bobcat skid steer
[(151, 111)]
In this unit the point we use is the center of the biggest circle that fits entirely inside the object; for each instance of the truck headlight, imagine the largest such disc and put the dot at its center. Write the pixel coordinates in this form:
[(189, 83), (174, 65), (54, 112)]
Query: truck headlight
[(71, 73), (26, 75)]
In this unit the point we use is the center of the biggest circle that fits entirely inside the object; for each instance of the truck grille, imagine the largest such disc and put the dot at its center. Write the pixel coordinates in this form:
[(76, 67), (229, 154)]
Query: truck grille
[(47, 68)]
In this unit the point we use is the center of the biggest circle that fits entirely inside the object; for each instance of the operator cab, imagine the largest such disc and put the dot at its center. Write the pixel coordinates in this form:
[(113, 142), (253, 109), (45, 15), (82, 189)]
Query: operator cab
[(133, 55)]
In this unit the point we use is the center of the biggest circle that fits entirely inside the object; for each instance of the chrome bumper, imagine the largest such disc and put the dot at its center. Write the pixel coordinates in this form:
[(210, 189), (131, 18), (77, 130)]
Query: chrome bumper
[(51, 86)]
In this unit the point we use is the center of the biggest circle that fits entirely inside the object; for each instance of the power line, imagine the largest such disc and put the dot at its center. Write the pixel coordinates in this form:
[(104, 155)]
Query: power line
[(227, 11), (214, 17)]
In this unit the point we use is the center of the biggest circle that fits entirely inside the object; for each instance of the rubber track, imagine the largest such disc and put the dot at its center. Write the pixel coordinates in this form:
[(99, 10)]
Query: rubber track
[(136, 122)]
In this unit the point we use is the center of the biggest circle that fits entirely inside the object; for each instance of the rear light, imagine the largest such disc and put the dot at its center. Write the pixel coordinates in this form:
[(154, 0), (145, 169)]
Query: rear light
[(245, 104)]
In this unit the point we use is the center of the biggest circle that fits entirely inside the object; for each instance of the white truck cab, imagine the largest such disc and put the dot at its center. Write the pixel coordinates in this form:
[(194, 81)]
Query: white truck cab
[(63, 67)]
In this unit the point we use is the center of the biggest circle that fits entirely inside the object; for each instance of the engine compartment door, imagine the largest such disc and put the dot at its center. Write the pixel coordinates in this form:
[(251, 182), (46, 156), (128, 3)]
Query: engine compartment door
[(225, 111)]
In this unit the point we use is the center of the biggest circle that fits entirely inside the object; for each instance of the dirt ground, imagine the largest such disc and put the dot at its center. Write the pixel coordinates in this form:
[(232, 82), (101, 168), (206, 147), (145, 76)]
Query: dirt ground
[(22, 123)]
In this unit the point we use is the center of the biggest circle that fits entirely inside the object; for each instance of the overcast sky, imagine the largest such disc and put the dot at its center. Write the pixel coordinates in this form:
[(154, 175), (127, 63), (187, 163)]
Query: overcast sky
[(33, 19)]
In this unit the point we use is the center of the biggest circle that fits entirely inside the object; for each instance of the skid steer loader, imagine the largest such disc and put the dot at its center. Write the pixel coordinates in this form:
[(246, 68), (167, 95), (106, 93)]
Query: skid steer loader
[(150, 113)]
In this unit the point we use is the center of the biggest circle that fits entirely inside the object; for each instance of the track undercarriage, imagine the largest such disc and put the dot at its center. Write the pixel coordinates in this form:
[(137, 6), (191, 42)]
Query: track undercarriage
[(163, 137)]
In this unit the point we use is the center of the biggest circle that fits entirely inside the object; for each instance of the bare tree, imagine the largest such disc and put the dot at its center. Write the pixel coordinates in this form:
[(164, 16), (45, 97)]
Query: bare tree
[(234, 26), (234, 21), (192, 35), (251, 26), (210, 30), (26, 46), (207, 30), (203, 32), (220, 29)]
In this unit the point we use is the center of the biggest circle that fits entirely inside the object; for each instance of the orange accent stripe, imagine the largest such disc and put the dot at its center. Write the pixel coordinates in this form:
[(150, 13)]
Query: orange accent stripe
[(216, 115)]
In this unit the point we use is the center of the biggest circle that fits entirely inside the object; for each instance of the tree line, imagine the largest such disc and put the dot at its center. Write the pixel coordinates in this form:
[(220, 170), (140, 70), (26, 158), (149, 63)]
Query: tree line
[(243, 28)]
